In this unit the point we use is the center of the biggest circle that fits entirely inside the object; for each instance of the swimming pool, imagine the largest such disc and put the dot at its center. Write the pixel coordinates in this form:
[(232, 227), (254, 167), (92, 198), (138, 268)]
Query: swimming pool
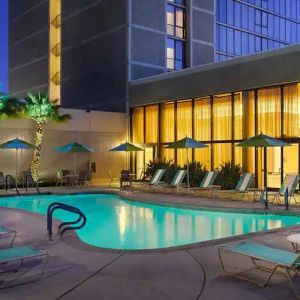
[(116, 223)]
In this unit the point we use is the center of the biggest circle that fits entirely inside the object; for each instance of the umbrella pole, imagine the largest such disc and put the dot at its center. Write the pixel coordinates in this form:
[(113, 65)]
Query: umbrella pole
[(187, 168), (265, 169), (16, 164), (75, 162)]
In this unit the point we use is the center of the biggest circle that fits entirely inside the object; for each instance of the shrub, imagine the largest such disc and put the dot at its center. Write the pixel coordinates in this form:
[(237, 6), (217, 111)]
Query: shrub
[(229, 175), (154, 165), (196, 172)]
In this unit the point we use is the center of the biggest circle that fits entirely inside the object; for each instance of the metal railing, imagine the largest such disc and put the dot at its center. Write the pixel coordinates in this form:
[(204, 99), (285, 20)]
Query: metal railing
[(9, 179), (63, 227)]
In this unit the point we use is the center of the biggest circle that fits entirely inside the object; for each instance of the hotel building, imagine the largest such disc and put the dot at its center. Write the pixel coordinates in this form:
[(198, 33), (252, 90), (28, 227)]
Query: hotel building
[(85, 52)]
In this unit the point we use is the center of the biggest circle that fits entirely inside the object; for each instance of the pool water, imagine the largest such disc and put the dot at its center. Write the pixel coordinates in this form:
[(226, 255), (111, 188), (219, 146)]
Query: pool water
[(115, 223)]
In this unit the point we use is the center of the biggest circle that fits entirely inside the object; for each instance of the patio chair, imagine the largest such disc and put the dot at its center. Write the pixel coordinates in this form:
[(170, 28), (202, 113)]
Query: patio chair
[(2, 180), (280, 262), (207, 182), (81, 179), (125, 178), (60, 179), (112, 177), (8, 233), (15, 262), (290, 182), (28, 180)]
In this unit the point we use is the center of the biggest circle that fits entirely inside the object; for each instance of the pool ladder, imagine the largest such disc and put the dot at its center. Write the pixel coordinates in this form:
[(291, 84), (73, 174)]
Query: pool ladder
[(65, 226)]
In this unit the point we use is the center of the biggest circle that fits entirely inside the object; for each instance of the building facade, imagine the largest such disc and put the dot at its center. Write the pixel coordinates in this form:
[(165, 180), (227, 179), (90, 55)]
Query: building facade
[(86, 52), (221, 105)]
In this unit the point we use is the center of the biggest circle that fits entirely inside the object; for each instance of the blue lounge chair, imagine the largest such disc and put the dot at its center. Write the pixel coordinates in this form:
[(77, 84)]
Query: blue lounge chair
[(14, 263), (281, 262), (8, 233)]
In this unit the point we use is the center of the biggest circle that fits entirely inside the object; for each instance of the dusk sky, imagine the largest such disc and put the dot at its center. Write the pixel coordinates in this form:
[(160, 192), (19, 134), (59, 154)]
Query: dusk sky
[(3, 44)]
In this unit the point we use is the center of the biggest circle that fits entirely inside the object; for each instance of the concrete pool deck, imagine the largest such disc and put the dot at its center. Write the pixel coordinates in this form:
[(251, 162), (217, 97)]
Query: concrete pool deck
[(77, 272)]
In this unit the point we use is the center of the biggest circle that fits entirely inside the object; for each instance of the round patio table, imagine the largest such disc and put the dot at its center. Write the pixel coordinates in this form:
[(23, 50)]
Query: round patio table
[(294, 239)]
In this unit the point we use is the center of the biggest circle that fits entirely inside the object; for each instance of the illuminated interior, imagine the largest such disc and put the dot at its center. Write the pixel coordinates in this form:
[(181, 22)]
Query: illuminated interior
[(55, 50), (221, 121)]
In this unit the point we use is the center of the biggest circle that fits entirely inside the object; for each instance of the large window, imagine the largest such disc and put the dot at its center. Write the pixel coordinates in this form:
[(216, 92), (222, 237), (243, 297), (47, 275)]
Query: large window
[(222, 121), (175, 54), (245, 27), (176, 35)]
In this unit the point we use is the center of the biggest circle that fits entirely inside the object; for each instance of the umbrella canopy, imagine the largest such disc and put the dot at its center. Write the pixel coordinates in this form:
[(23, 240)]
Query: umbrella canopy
[(16, 144), (126, 147), (263, 141), (74, 147), (186, 143)]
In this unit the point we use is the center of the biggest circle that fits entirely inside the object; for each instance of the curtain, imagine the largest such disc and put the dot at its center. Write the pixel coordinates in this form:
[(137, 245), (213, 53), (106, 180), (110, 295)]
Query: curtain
[(221, 154), (168, 154), (291, 111), (269, 112), (138, 125), (248, 114), (203, 156), (151, 123), (202, 119), (182, 156), (167, 123), (222, 114), (238, 116), (184, 119)]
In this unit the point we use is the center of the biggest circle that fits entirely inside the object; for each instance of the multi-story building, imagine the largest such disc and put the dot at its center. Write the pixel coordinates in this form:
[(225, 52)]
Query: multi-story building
[(87, 51)]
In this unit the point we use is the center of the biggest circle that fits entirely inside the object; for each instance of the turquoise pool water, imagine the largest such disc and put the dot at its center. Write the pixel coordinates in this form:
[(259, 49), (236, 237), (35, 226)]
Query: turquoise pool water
[(115, 223)]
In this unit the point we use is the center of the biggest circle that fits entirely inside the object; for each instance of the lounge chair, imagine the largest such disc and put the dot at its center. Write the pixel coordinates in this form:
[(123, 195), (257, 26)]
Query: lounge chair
[(177, 180), (81, 179), (243, 185), (14, 263), (8, 233), (113, 178), (290, 182), (156, 179), (60, 179), (281, 262), (28, 180), (207, 182)]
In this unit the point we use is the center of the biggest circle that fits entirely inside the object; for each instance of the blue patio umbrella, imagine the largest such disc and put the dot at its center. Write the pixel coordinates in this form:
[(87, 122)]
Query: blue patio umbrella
[(17, 144), (74, 147), (186, 143), (126, 147)]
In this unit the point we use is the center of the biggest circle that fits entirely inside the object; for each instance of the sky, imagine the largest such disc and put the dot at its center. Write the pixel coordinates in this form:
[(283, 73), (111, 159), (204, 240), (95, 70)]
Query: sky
[(3, 44)]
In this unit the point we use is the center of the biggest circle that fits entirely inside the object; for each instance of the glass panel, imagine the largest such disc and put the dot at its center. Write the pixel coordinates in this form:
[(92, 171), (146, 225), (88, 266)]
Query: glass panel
[(182, 156), (138, 125), (151, 124), (291, 159), (202, 119), (184, 119), (268, 110), (221, 154), (222, 118), (238, 116), (291, 111), (167, 123), (168, 154), (203, 156)]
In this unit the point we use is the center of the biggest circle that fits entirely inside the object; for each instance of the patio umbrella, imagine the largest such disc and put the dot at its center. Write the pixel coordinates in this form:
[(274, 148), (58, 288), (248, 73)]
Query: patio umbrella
[(186, 143), (74, 147), (126, 147), (16, 144), (263, 141)]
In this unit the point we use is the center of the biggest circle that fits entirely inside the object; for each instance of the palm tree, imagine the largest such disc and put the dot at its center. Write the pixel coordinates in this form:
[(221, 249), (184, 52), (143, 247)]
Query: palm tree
[(40, 109), (9, 107)]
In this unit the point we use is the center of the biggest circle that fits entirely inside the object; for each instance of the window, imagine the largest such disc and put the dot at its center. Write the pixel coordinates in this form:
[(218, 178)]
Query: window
[(175, 21), (179, 2), (175, 54)]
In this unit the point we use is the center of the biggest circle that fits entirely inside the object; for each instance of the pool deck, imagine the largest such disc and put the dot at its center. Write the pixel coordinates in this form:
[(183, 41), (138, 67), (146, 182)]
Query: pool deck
[(78, 272)]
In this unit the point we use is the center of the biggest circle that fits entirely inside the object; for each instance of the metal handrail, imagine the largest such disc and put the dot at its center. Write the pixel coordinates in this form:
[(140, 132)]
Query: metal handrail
[(27, 178), (14, 181), (63, 227)]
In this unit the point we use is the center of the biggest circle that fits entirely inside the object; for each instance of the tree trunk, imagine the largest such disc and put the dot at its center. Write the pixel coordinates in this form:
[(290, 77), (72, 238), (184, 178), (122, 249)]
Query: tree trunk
[(36, 160)]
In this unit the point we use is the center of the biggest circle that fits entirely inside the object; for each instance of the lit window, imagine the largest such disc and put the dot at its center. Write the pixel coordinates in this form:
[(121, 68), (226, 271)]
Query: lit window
[(175, 54), (175, 21)]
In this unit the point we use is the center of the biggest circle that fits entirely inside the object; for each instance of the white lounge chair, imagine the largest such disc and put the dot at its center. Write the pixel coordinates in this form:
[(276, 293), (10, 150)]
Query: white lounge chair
[(207, 182), (290, 182), (156, 179)]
